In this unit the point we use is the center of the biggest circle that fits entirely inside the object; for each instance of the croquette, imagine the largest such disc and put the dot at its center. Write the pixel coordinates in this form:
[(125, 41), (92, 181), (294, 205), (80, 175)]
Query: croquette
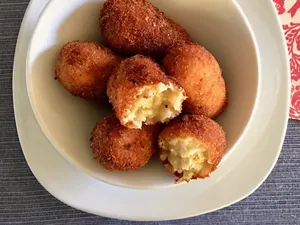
[(118, 148), (84, 68), (199, 73), (141, 93), (191, 147), (133, 27)]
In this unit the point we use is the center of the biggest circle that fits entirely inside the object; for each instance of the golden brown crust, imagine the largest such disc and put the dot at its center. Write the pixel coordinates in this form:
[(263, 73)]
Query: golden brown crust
[(200, 75), (201, 128), (84, 68), (137, 27), (129, 77), (118, 148)]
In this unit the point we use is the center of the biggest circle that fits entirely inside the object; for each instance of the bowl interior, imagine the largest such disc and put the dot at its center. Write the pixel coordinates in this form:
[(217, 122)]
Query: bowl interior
[(67, 121)]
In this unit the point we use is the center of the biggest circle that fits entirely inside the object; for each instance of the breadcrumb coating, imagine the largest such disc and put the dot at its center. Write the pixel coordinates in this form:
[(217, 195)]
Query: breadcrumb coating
[(133, 27), (118, 148), (141, 93), (84, 68), (191, 146), (199, 73)]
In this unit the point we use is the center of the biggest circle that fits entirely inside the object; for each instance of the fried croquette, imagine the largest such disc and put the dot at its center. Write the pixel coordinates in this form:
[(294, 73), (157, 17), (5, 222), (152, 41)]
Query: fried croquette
[(199, 73), (133, 27), (140, 92), (84, 68), (118, 148), (191, 147)]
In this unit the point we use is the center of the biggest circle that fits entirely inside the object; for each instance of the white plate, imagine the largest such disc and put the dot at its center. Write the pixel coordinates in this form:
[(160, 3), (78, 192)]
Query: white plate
[(244, 172)]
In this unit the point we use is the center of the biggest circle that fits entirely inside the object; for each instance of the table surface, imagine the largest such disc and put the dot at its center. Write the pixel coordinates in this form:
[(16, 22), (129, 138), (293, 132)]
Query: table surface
[(24, 201)]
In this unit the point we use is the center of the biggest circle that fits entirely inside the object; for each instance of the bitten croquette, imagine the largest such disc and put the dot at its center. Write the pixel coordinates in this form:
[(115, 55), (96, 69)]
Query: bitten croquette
[(84, 68), (191, 147), (199, 73), (141, 93), (133, 27), (118, 148)]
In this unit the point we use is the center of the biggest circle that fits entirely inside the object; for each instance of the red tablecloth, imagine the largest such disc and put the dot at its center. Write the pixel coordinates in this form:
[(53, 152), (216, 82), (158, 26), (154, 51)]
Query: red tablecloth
[(289, 12)]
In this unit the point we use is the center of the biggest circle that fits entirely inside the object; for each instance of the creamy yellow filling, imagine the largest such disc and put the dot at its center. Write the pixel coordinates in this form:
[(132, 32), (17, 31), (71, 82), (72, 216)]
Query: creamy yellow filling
[(186, 156), (155, 103)]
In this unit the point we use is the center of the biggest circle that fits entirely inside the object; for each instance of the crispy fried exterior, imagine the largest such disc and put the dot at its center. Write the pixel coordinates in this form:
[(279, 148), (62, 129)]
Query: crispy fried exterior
[(201, 128), (137, 27), (118, 148), (129, 77), (84, 68), (200, 75)]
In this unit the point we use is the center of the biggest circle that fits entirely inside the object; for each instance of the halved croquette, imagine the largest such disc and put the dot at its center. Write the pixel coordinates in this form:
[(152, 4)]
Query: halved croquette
[(191, 146), (141, 93)]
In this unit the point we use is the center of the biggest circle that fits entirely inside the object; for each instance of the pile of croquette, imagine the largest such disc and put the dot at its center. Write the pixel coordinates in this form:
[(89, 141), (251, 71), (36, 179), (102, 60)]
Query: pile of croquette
[(165, 91)]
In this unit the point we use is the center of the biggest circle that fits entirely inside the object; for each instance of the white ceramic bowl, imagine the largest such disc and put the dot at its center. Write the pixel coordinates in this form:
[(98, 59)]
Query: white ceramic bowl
[(67, 121)]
